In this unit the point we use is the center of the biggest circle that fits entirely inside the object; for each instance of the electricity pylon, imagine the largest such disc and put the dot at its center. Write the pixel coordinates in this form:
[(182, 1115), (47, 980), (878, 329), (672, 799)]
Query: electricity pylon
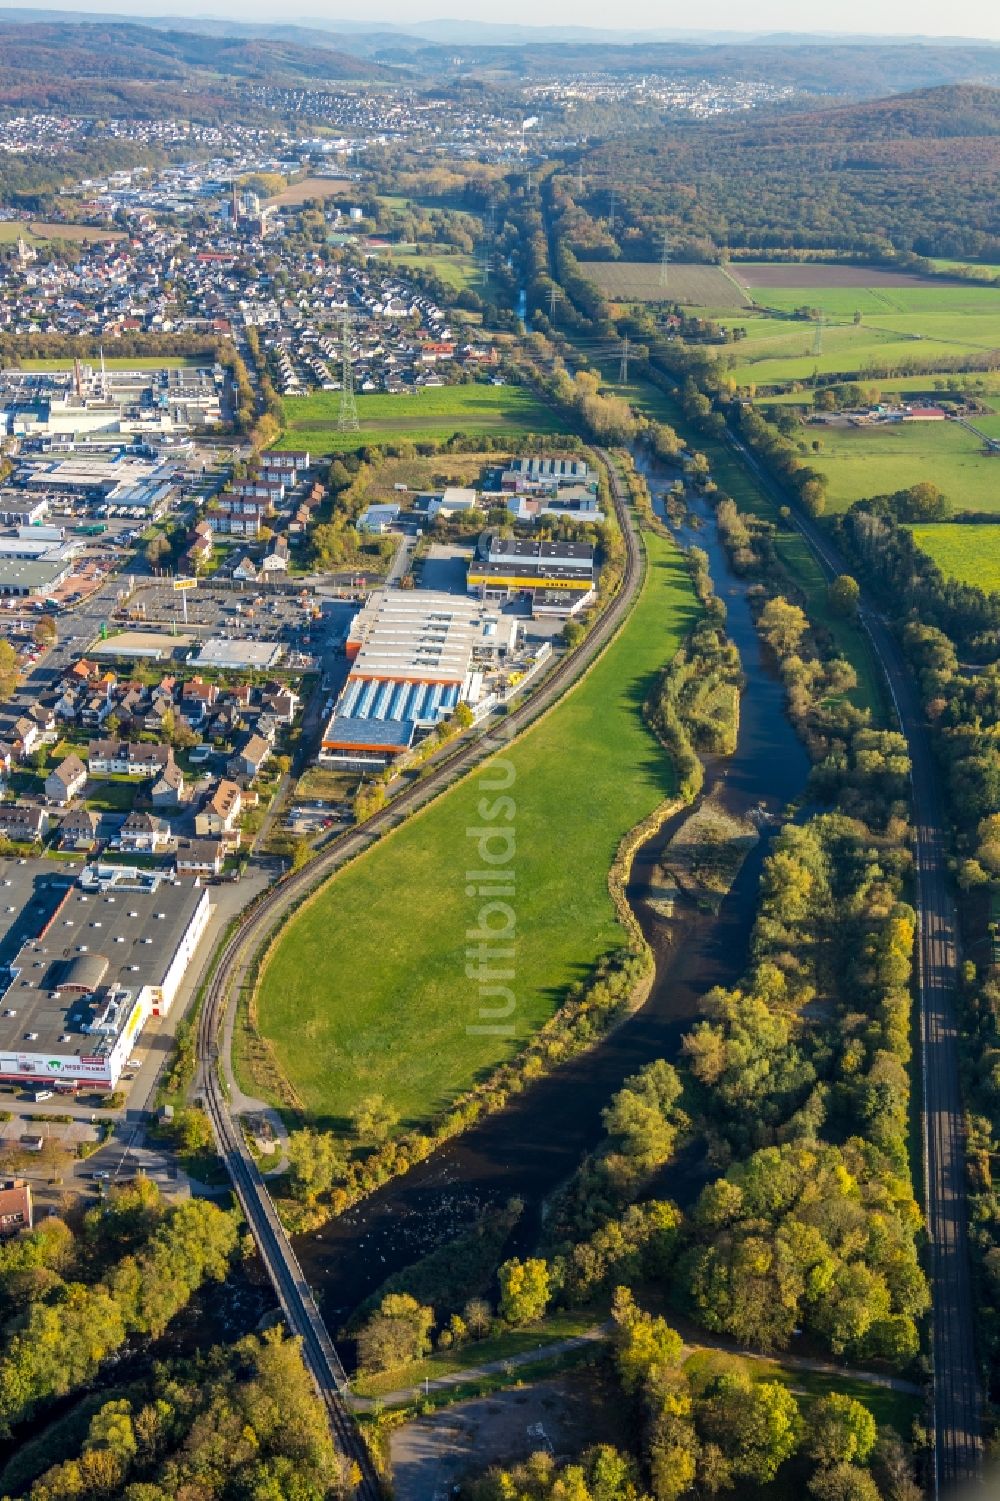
[(623, 367), (665, 259)]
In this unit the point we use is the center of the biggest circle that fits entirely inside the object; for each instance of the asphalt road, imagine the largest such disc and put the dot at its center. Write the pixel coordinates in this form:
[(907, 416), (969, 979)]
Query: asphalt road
[(956, 1390)]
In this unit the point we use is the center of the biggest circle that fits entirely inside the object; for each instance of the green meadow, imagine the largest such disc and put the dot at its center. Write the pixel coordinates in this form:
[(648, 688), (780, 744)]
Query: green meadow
[(367, 991), (970, 554), (863, 461), (431, 413)]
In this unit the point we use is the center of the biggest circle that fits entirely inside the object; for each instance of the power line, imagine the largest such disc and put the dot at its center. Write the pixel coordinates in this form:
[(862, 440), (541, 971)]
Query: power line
[(347, 422), (489, 237)]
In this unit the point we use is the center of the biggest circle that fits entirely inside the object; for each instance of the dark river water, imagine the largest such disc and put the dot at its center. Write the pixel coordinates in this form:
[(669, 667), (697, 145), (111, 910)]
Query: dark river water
[(531, 1147)]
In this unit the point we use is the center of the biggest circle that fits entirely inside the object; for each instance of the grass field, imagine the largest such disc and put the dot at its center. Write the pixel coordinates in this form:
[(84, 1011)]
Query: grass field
[(37, 233), (435, 412), (920, 325), (980, 269), (367, 992), (138, 362), (640, 281), (458, 271), (970, 554), (862, 461)]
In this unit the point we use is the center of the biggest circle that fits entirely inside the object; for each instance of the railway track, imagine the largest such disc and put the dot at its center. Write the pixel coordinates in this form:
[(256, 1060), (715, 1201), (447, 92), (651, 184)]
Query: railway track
[(956, 1405), (257, 923)]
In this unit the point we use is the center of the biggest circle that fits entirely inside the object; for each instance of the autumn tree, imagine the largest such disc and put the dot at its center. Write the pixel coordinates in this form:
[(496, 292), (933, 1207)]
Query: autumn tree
[(525, 1290), (396, 1334)]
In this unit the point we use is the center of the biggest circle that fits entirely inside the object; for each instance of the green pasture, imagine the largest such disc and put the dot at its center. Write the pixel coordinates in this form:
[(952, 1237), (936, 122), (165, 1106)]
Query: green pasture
[(921, 325), (367, 990), (139, 362), (458, 271), (970, 554), (975, 269), (928, 387), (844, 302), (433, 413), (863, 461)]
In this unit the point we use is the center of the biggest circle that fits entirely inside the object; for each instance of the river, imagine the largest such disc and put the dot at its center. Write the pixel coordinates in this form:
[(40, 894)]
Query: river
[(531, 1147)]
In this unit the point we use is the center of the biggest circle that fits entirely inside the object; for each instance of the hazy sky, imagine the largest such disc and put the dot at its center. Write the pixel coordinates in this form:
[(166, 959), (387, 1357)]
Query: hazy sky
[(976, 18)]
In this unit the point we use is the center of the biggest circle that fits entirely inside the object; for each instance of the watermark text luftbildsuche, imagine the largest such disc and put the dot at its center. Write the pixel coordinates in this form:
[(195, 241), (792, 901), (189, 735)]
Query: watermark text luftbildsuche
[(491, 943)]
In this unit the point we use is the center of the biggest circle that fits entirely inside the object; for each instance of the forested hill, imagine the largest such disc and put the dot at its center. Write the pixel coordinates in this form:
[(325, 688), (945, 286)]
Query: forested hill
[(42, 63), (949, 111), (917, 172)]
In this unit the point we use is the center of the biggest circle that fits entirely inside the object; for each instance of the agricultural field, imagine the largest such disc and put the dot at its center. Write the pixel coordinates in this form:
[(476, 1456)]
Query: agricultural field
[(810, 274), (310, 187), (455, 270), (640, 281), (432, 413), (970, 554), (861, 461), (359, 1000)]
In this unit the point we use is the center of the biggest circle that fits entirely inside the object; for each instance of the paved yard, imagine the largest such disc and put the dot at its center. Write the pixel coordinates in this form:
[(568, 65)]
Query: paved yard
[(563, 1415)]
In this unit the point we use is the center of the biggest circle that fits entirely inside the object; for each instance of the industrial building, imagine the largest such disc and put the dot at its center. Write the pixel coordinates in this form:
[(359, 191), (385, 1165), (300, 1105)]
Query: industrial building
[(239, 656), (555, 578), (416, 655), (137, 486), (111, 954), (90, 399), (35, 577)]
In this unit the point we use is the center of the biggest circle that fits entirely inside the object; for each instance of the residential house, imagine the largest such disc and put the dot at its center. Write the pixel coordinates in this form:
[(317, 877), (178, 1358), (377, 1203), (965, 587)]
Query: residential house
[(78, 830), (219, 816), (24, 823), (276, 559), (282, 705), (94, 710), (200, 857), (199, 697), (246, 571), (16, 1212), (66, 780), (127, 758), (160, 714), (168, 789), (27, 737), (142, 834), (249, 760), (44, 715)]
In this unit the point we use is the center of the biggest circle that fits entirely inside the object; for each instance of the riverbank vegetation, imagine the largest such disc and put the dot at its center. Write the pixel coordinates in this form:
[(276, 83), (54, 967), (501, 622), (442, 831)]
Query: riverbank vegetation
[(242, 1420), (70, 1302)]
